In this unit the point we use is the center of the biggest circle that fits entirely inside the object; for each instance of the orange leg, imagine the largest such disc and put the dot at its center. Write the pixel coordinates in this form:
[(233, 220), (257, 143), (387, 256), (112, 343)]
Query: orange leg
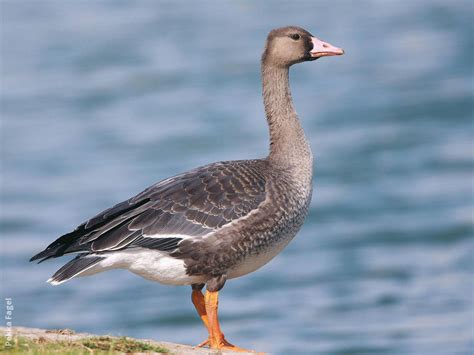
[(216, 337), (198, 300)]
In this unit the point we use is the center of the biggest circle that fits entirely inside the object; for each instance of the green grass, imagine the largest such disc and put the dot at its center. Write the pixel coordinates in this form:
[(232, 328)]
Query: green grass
[(95, 345)]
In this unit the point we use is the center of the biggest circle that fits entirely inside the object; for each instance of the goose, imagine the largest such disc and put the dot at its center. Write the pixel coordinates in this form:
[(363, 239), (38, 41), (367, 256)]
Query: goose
[(216, 222)]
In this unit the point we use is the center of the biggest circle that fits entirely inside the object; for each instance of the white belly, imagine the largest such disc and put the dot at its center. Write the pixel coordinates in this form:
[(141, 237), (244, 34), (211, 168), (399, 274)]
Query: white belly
[(149, 264)]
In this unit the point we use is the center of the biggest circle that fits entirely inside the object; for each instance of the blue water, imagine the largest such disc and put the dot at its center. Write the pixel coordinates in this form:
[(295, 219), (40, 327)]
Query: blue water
[(100, 99)]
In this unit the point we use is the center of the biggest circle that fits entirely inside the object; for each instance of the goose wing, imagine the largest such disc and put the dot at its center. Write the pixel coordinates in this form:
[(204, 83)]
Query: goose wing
[(188, 205)]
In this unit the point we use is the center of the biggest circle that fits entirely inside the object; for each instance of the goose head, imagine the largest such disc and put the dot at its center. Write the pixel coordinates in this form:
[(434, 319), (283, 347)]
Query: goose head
[(290, 45)]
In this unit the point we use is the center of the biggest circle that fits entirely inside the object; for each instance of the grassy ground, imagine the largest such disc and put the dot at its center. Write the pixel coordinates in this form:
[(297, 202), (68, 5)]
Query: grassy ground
[(25, 340), (94, 345)]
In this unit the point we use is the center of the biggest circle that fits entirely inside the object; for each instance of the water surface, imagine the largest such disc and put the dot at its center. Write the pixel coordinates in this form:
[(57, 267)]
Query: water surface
[(100, 99)]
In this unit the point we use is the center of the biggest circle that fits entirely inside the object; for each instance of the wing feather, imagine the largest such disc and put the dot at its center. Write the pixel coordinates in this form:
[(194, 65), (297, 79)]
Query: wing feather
[(188, 205)]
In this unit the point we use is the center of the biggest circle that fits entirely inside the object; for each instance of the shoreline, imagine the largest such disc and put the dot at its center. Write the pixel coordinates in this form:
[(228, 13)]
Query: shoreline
[(16, 339)]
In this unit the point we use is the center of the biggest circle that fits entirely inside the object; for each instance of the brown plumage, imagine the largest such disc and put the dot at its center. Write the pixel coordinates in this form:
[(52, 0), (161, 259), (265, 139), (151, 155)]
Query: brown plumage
[(216, 222)]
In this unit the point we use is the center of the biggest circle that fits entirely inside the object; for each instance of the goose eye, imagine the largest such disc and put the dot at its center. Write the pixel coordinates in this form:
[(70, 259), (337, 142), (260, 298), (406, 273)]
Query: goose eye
[(295, 36)]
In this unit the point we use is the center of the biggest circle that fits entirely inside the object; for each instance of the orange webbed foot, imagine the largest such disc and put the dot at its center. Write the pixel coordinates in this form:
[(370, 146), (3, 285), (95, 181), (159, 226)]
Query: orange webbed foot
[(207, 308), (203, 344), (223, 344)]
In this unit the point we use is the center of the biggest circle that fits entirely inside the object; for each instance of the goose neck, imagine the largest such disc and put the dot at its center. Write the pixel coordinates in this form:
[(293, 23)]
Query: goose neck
[(288, 144)]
